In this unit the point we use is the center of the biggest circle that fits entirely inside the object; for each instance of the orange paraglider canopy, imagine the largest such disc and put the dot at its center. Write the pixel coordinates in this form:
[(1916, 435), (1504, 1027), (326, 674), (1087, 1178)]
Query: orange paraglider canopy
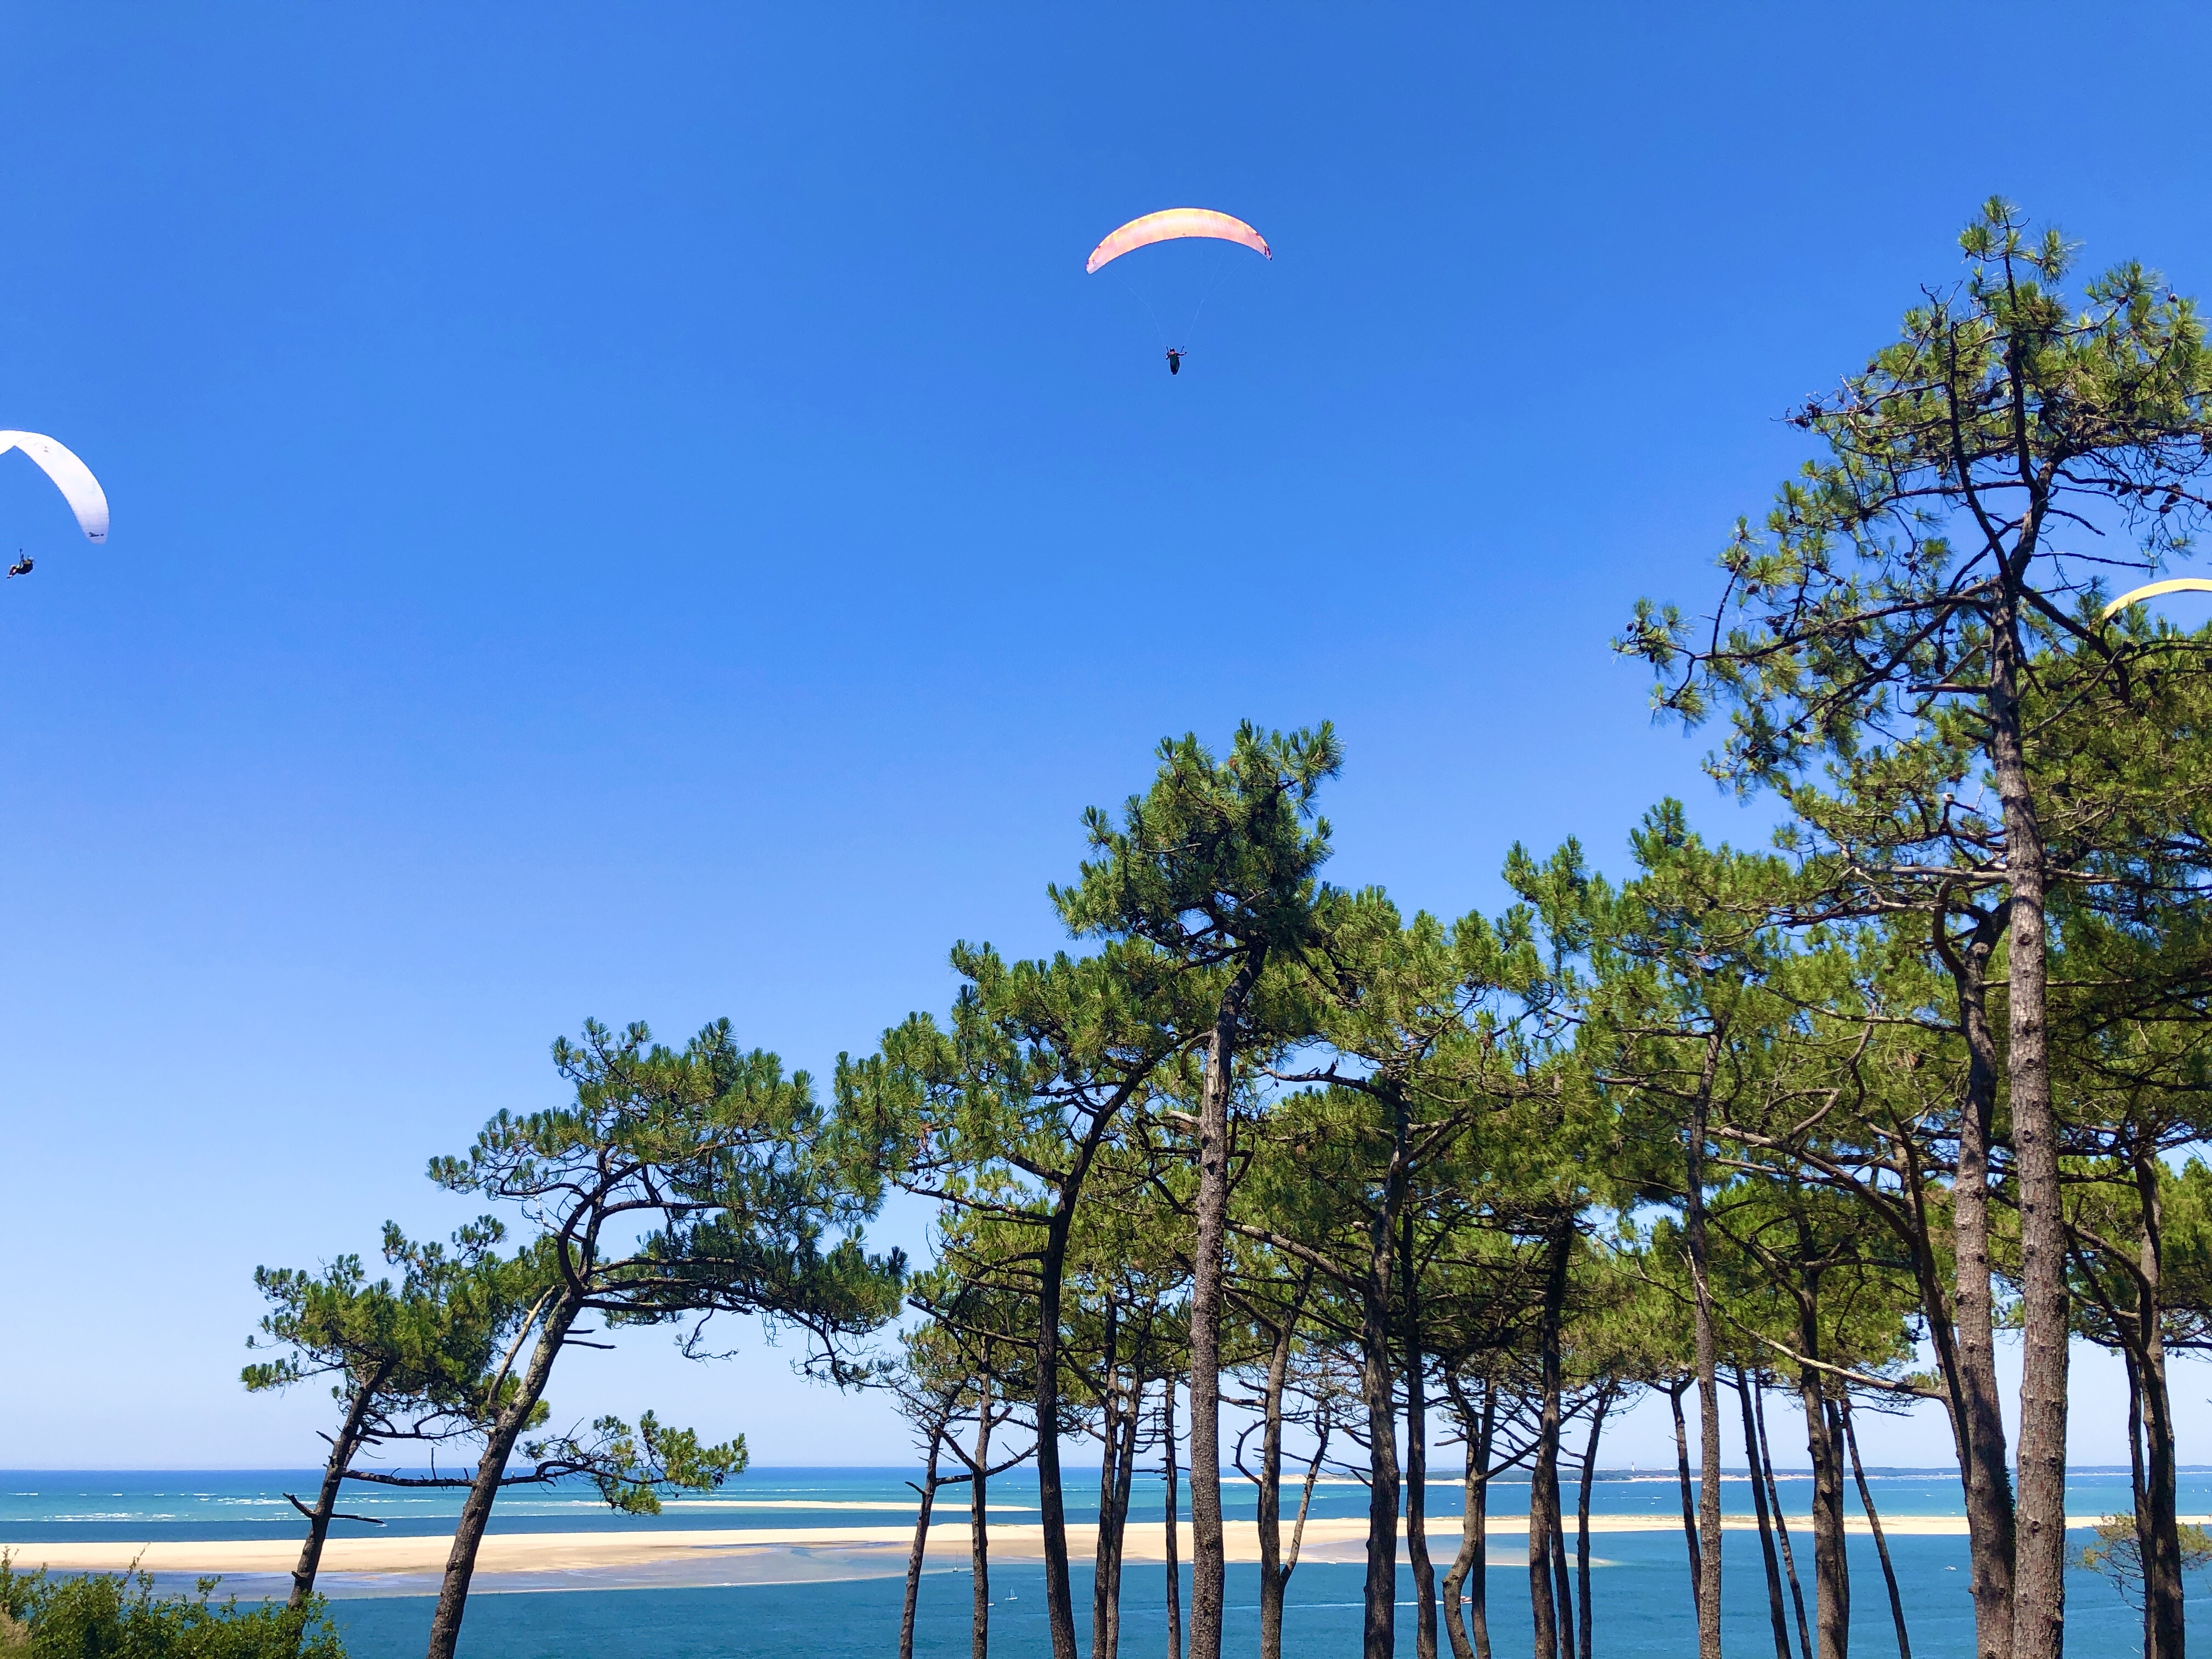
[(1171, 224)]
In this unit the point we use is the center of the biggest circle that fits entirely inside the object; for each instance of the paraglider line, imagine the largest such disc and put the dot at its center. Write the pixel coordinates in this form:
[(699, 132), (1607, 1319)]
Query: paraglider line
[(1221, 263), (1158, 327)]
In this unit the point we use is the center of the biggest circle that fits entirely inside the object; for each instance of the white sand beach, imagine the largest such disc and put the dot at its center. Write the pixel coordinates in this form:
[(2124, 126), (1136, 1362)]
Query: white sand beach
[(763, 1555)]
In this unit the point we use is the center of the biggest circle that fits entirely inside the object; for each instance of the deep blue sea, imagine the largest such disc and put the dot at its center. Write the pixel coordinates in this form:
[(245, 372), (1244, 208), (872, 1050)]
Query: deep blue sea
[(1640, 1595)]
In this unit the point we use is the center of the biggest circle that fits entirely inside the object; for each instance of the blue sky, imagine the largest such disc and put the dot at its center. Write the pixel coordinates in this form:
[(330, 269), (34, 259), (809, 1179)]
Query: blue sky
[(639, 513)]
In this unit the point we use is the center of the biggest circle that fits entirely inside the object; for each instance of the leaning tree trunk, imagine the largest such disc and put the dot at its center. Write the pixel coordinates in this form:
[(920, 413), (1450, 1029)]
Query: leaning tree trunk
[(1873, 1526), (1209, 1570), (342, 1447), (1674, 1393), (2039, 1584), (1305, 1505), (1470, 1567), (2163, 1635), (1774, 1610), (491, 1469), (1598, 1409), (1271, 1580), (1985, 1468), (930, 1482), (1706, 1349), (1764, 1471)]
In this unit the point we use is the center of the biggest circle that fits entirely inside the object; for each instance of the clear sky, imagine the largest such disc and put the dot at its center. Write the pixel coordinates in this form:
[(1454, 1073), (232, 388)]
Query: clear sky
[(638, 512)]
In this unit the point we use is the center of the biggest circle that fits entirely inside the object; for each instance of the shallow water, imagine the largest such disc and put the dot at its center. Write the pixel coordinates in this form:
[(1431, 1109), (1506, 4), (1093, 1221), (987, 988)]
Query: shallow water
[(1640, 1608), (1640, 1602)]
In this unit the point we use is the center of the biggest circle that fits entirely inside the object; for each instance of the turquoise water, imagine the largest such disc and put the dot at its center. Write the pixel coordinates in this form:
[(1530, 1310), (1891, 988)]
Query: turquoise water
[(1641, 1604)]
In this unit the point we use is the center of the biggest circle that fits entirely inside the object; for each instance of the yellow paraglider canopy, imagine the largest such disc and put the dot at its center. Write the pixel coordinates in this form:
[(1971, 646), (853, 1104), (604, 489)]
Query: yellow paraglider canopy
[(2175, 585)]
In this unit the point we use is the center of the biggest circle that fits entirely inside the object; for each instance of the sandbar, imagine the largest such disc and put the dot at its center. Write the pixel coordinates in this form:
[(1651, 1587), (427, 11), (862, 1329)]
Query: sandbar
[(617, 1559)]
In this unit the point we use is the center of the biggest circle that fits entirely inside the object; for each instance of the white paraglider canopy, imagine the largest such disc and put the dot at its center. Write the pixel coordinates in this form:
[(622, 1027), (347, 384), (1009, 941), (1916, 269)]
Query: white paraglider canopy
[(2177, 585), (71, 477)]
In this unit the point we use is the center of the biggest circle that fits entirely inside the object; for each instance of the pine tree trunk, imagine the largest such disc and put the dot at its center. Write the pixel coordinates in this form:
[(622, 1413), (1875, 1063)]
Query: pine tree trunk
[(2137, 1487), (1549, 1614), (1598, 1409), (1272, 1581), (2040, 1582), (1305, 1503), (979, 1530), (1174, 1567), (1985, 1468), (1052, 1503), (914, 1557), (1832, 1579), (1209, 1570), (1674, 1393), (1125, 1477), (1105, 1569), (1106, 1566), (1873, 1526), (1417, 1452), (1417, 1520), (2163, 1631), (1706, 1348), (1774, 1609), (491, 1469), (342, 1447), (1543, 1609), (1470, 1567), (1911, 1223), (2162, 1589), (1563, 1585), (1765, 1472), (1378, 1393)]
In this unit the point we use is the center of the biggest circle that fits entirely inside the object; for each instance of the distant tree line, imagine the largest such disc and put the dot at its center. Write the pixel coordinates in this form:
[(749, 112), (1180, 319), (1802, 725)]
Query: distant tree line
[(1265, 1152)]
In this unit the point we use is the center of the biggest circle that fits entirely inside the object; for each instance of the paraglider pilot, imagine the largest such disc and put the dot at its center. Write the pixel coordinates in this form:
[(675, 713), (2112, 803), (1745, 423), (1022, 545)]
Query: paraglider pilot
[(22, 567), (1175, 360)]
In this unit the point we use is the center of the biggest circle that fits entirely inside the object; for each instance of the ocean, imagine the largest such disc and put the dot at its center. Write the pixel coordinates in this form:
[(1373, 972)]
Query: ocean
[(800, 1600)]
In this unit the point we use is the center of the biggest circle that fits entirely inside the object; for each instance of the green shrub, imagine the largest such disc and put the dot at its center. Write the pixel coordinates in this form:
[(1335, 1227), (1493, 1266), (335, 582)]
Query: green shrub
[(119, 1616)]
